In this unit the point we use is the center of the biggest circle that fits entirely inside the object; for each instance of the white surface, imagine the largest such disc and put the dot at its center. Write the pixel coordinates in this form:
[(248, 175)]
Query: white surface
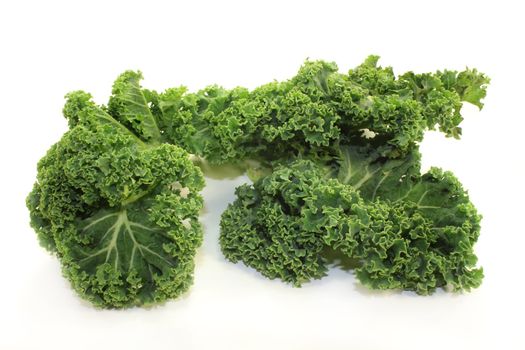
[(49, 48)]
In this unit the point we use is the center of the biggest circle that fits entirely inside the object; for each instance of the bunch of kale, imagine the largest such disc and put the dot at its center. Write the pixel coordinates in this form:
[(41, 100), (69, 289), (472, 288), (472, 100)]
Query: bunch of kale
[(336, 167)]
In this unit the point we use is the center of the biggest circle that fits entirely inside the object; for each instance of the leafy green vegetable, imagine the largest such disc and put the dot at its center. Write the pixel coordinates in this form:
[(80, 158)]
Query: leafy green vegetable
[(318, 109), (214, 123), (119, 209), (336, 168), (421, 228), (281, 224), (421, 241), (409, 232), (128, 105), (405, 229)]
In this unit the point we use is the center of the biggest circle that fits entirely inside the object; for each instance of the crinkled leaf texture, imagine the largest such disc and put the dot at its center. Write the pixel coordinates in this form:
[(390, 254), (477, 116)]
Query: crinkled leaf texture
[(421, 228), (281, 225), (341, 169), (407, 231), (214, 123), (119, 209), (316, 110), (336, 166), (129, 105)]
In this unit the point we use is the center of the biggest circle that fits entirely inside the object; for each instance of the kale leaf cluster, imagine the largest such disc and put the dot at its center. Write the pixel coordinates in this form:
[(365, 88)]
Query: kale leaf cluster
[(335, 164)]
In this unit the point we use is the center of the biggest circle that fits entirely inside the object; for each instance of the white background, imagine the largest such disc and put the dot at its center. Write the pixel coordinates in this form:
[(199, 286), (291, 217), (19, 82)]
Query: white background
[(48, 48)]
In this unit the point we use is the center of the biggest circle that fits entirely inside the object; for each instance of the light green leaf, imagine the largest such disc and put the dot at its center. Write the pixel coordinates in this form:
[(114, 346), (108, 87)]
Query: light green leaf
[(129, 106)]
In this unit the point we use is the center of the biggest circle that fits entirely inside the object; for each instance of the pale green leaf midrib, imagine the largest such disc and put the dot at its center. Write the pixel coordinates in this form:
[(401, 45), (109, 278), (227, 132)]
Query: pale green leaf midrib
[(123, 225), (150, 122)]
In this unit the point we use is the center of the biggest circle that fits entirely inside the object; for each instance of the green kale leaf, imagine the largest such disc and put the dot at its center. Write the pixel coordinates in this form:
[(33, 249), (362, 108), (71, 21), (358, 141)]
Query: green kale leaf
[(119, 209)]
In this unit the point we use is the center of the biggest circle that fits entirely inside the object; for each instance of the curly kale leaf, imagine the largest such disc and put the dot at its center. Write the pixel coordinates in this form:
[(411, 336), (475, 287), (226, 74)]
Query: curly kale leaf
[(308, 115), (421, 243), (337, 167), (296, 115), (421, 228), (140, 251), (282, 224), (314, 111), (320, 108), (406, 230), (409, 231), (120, 210), (262, 227), (214, 123), (129, 105), (372, 174)]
